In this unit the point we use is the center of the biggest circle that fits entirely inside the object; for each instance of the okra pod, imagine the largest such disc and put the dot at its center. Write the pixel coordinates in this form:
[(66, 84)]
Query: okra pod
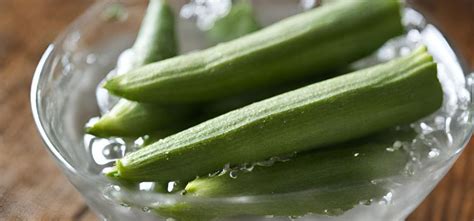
[(156, 41), (332, 111), (309, 43), (327, 181)]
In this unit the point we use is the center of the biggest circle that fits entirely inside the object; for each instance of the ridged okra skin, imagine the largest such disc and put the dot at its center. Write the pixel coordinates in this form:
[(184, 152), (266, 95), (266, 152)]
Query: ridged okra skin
[(133, 119), (156, 39), (327, 181), (332, 111), (351, 163), (310, 43), (327, 202)]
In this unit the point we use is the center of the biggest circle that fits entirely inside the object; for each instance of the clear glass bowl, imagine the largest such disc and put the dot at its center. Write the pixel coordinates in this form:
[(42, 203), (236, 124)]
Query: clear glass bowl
[(63, 100)]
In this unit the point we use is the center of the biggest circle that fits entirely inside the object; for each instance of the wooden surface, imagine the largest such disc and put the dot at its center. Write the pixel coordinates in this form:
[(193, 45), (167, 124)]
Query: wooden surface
[(32, 187)]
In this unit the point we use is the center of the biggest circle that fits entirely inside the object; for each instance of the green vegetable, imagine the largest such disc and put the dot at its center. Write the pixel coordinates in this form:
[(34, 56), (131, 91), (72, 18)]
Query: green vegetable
[(354, 162), (321, 114), (239, 21), (328, 202), (309, 43), (328, 181), (133, 119), (156, 41)]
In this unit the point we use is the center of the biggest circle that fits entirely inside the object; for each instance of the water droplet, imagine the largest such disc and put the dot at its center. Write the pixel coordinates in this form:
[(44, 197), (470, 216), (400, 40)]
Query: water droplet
[(294, 217), (124, 205), (146, 186), (233, 174), (113, 151), (397, 144), (387, 199), (249, 168), (365, 202), (308, 4), (410, 169), (171, 186), (434, 152), (214, 174), (146, 209), (356, 154)]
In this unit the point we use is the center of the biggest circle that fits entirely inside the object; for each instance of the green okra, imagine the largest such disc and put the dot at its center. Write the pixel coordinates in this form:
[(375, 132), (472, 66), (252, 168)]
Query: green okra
[(326, 202), (321, 114), (156, 41), (239, 21), (327, 181), (354, 162), (133, 119), (312, 42)]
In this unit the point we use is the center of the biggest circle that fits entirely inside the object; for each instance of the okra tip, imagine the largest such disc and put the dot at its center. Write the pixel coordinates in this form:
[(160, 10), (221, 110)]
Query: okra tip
[(95, 130), (104, 127), (114, 86)]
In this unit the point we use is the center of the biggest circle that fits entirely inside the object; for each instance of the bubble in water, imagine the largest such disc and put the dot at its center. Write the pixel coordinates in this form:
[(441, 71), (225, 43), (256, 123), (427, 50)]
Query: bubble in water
[(233, 174), (125, 62), (414, 35), (397, 144), (124, 205), (356, 154), (206, 12), (146, 209), (248, 167), (171, 186), (146, 186), (434, 152), (309, 4), (410, 169), (115, 188), (387, 199), (294, 217), (104, 151), (214, 174), (413, 20), (425, 128), (105, 101), (113, 151)]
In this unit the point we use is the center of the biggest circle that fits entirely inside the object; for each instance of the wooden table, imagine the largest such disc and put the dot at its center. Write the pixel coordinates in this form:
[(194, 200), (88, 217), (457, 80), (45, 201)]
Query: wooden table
[(33, 188)]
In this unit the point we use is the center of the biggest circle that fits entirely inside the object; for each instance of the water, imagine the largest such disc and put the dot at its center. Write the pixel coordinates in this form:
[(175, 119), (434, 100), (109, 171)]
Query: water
[(440, 136)]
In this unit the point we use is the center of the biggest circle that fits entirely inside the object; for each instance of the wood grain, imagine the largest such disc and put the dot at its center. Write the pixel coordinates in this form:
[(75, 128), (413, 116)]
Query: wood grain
[(33, 188)]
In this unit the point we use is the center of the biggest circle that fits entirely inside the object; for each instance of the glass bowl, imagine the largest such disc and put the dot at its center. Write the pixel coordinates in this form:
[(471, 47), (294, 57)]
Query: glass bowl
[(63, 100)]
